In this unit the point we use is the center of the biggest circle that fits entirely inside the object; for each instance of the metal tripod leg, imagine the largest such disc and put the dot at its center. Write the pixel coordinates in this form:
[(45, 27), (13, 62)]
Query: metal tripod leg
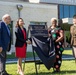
[(24, 64), (35, 62)]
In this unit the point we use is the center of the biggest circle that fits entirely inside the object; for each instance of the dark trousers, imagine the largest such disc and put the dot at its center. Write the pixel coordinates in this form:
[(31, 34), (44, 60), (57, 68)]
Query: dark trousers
[(74, 51), (2, 62)]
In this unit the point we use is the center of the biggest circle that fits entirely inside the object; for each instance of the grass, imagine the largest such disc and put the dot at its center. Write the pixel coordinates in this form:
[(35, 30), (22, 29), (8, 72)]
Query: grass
[(29, 54), (67, 52), (67, 68)]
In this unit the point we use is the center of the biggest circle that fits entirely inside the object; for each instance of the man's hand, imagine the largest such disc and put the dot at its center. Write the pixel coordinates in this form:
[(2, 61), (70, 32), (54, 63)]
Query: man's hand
[(1, 49)]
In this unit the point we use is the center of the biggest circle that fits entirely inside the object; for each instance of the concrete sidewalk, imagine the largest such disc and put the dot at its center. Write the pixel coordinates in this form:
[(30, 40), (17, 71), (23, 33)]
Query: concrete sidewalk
[(64, 57), (29, 49)]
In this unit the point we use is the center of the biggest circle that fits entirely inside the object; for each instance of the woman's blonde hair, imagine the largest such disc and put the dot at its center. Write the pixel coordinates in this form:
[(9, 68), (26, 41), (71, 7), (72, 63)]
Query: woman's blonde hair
[(53, 19)]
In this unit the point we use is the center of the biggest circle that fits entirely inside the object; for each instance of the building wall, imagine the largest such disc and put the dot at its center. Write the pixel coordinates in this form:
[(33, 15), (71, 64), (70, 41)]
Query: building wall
[(39, 13), (68, 2), (14, 0), (30, 12)]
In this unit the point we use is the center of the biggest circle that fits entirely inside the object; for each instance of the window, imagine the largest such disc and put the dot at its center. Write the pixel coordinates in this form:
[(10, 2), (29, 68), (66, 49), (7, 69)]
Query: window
[(66, 11), (72, 11), (61, 11)]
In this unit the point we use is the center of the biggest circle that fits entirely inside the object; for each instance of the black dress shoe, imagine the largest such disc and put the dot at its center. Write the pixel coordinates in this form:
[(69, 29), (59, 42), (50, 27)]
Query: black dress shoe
[(5, 73)]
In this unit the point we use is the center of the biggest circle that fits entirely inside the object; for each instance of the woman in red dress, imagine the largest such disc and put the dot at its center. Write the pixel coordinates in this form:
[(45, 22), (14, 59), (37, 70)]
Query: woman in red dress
[(20, 44)]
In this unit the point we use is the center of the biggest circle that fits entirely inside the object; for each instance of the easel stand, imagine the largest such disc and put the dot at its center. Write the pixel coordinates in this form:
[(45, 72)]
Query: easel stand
[(36, 61)]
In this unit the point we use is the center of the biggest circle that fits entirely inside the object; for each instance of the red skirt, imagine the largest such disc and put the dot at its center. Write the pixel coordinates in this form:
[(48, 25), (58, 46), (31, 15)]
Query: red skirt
[(21, 51)]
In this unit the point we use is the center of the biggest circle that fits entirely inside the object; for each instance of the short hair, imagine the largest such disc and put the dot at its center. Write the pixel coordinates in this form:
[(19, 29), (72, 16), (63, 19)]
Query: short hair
[(53, 19), (74, 17), (4, 16)]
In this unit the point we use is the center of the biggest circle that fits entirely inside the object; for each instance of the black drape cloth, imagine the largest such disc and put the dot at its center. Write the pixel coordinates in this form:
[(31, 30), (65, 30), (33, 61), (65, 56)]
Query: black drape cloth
[(44, 49)]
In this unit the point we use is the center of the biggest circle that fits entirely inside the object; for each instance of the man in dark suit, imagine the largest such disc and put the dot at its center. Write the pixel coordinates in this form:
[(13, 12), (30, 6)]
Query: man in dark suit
[(4, 42)]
